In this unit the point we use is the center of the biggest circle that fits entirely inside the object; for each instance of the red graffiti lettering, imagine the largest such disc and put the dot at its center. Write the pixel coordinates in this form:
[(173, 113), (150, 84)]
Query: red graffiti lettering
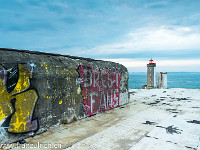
[(100, 89)]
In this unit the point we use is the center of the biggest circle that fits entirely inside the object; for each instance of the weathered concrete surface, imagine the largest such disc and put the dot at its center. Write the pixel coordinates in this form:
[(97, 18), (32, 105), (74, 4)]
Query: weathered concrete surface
[(155, 119), (39, 90)]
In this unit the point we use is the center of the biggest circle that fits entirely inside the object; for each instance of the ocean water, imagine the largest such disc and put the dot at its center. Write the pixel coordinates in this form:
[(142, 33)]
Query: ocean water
[(190, 80)]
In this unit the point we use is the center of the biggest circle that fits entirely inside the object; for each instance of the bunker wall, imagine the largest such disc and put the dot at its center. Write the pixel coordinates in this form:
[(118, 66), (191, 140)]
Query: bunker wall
[(40, 90)]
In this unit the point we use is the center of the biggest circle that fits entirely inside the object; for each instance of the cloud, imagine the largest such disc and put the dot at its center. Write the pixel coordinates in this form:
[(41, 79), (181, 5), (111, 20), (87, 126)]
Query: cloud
[(162, 65), (158, 4), (147, 39), (129, 62), (100, 29)]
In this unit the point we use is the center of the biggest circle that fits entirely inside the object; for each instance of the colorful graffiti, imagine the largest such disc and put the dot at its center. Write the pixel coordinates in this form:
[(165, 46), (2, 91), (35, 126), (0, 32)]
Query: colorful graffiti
[(17, 100), (100, 89)]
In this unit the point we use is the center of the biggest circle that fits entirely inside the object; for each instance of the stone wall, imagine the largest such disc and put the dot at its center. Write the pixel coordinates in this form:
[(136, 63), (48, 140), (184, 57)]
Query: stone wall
[(40, 90)]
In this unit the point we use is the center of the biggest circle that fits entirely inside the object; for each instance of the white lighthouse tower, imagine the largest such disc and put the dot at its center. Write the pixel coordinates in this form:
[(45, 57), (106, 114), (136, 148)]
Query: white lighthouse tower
[(151, 80)]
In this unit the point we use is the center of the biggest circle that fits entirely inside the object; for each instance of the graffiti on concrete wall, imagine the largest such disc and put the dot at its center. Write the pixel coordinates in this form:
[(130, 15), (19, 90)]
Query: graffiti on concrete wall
[(17, 99), (100, 89), (65, 87)]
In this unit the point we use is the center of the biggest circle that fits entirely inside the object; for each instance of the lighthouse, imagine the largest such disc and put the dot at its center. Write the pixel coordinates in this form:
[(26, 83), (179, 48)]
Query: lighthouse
[(151, 80)]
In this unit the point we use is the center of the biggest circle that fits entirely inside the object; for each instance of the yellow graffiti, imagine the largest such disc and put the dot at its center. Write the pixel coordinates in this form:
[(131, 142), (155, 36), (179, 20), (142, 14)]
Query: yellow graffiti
[(52, 68), (48, 67), (60, 102), (68, 76), (21, 120), (79, 90)]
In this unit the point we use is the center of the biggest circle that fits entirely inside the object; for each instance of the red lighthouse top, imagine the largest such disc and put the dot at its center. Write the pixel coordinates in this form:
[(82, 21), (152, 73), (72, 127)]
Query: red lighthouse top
[(151, 61)]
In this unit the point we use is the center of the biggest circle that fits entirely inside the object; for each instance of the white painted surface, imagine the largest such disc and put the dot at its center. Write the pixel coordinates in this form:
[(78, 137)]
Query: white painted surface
[(123, 99), (185, 135), (143, 124), (164, 80), (158, 80)]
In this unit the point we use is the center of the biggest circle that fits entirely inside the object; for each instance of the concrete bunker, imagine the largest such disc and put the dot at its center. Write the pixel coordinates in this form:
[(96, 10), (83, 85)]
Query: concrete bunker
[(39, 90)]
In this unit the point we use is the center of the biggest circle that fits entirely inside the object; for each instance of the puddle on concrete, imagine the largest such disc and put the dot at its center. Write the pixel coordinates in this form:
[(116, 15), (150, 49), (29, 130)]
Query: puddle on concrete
[(194, 121), (167, 104), (181, 99), (171, 110), (175, 112), (190, 147), (171, 130), (149, 123), (171, 142), (154, 103)]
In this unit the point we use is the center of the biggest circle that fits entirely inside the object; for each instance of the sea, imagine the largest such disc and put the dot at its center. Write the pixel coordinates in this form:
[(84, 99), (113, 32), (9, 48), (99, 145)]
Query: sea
[(189, 80)]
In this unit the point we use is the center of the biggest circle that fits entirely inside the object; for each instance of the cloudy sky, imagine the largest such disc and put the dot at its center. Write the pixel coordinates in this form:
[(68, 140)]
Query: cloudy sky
[(125, 31)]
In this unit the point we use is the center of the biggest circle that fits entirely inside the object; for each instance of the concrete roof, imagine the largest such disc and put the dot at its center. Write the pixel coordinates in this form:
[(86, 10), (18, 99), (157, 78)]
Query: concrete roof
[(155, 119)]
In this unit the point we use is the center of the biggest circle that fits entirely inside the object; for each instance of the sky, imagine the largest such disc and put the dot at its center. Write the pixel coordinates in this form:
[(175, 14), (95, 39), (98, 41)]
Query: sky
[(129, 32)]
